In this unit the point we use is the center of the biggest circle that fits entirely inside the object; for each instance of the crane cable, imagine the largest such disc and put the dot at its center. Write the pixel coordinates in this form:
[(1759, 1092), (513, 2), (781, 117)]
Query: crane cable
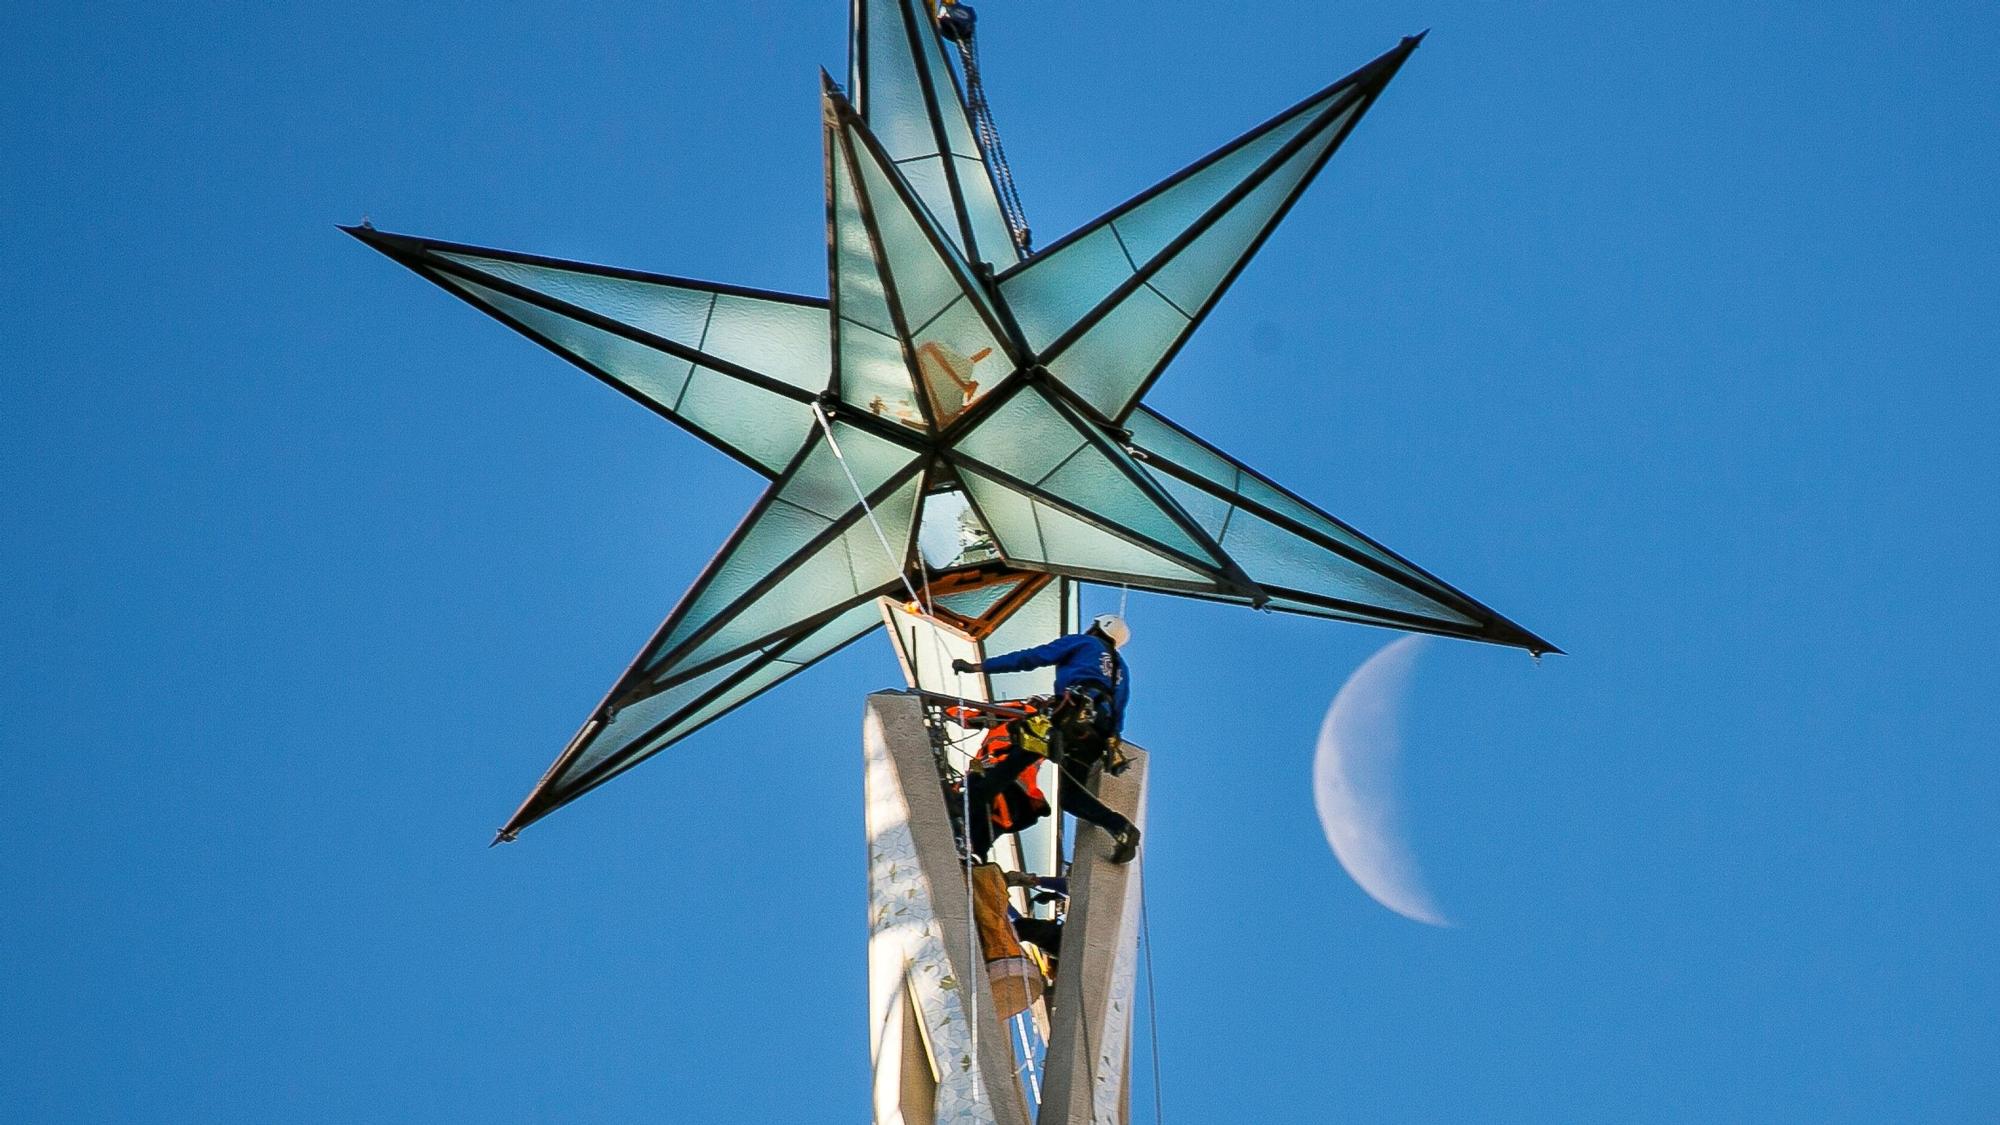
[(957, 25)]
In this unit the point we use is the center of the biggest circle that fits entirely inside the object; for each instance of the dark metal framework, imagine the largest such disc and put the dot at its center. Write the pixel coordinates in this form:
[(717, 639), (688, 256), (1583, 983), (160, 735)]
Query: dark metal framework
[(684, 677)]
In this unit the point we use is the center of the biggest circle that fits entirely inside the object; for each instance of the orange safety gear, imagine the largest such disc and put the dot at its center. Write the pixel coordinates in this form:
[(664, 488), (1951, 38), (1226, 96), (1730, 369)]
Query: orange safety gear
[(1021, 803)]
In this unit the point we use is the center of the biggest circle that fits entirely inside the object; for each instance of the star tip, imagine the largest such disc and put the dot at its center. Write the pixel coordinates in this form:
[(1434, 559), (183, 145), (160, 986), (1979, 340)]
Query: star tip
[(504, 836), (1537, 647), (380, 240), (1413, 40)]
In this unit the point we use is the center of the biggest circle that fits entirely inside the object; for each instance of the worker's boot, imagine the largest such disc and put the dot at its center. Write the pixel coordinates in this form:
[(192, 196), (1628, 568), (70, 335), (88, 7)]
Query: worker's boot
[(1127, 844)]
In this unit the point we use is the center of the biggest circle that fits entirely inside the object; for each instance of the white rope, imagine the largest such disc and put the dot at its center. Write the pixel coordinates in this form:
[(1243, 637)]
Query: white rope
[(973, 960), (1152, 999)]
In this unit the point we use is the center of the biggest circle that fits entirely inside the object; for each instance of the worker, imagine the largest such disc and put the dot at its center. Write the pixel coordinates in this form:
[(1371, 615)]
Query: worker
[(1004, 796), (1092, 686)]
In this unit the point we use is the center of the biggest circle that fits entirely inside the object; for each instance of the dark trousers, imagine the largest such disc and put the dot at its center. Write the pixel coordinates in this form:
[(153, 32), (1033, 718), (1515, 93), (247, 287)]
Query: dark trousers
[(1074, 798)]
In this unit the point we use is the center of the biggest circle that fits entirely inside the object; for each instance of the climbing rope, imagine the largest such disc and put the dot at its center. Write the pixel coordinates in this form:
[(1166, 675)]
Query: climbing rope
[(1152, 1001), (972, 957), (958, 24)]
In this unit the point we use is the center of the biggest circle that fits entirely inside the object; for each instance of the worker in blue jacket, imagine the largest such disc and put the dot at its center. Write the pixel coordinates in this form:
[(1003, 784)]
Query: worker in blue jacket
[(1090, 675)]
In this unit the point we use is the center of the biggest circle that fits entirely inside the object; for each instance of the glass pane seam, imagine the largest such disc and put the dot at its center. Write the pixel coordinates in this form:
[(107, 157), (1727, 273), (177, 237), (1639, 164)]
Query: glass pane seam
[(1214, 569), (866, 328), (771, 645), (706, 322), (1230, 514), (941, 246), (866, 206), (950, 305), (1041, 538), (1392, 568), (454, 276), (452, 281), (1043, 482), (821, 540), (1329, 98), (1136, 474), (1206, 221), (1172, 304), (1385, 613), (432, 248), (1119, 236)]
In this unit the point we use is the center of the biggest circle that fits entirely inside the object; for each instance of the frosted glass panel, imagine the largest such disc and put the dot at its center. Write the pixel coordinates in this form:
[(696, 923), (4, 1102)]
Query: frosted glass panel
[(1165, 442), (1193, 275), (958, 137), (785, 340), (870, 459), (925, 178), (1034, 532), (1271, 554), (769, 672), (906, 93), (1009, 515), (671, 312), (637, 721), (850, 565), (924, 284), (958, 355), (874, 376), (778, 534), (960, 359), (1073, 543), (650, 372), (857, 282), (813, 583), (1158, 436), (768, 428), (989, 224), (777, 338), (1055, 289), (1149, 227), (1210, 513), (842, 629), (873, 564), (1107, 365), (889, 91), (1025, 438), (1093, 482), (1289, 506), (1055, 293)]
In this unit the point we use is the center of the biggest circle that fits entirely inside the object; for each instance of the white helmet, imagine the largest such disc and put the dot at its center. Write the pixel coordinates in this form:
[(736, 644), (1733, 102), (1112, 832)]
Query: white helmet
[(1114, 629)]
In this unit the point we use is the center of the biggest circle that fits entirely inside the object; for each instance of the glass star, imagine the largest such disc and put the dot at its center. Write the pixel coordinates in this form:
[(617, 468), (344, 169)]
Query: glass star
[(958, 418)]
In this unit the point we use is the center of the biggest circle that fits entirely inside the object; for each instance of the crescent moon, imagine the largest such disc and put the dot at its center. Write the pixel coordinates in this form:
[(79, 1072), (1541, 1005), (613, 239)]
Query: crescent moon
[(1354, 783)]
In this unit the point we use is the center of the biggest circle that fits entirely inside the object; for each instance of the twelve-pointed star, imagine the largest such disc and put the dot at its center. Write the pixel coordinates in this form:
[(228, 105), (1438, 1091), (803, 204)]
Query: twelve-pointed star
[(948, 370)]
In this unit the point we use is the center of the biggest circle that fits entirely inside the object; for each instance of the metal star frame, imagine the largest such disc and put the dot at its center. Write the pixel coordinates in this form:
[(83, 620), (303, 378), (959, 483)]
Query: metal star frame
[(949, 382)]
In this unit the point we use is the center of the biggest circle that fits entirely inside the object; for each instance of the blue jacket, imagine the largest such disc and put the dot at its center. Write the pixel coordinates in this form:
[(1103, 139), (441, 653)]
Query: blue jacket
[(1079, 658)]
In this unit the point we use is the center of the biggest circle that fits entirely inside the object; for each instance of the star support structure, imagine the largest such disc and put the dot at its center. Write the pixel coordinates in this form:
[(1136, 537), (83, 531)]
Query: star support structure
[(949, 387)]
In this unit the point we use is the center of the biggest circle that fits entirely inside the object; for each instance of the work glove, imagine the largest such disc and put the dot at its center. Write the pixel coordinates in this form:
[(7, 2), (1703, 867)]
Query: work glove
[(963, 665)]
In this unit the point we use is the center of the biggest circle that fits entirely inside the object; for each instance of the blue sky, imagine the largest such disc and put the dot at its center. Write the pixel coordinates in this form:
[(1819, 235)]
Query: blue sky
[(1669, 331)]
